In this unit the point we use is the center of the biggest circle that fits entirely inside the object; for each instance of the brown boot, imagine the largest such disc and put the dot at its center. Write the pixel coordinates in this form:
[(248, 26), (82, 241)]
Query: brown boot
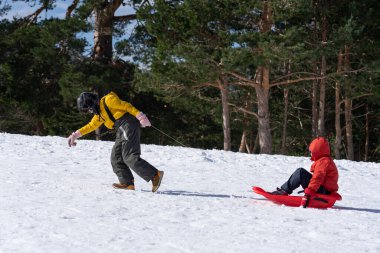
[(124, 186), (156, 180)]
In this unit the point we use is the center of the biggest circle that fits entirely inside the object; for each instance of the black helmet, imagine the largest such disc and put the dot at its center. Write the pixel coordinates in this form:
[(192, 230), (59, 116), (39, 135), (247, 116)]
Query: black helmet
[(88, 101)]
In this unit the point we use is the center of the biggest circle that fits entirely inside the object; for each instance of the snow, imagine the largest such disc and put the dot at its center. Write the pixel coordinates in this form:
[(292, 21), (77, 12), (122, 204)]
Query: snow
[(59, 199)]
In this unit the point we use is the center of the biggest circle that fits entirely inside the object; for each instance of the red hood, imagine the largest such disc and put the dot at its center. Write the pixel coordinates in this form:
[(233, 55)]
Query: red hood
[(319, 147)]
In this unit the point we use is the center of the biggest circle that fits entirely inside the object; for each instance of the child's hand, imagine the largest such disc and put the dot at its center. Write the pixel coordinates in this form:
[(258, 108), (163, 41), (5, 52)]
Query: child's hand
[(305, 201), (73, 137), (144, 121), (310, 192)]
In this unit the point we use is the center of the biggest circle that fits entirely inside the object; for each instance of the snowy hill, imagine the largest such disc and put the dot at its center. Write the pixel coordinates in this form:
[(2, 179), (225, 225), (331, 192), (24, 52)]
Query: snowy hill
[(59, 200)]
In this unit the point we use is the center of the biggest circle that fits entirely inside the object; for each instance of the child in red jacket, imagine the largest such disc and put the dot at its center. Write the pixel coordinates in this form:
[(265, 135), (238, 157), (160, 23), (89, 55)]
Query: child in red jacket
[(324, 179)]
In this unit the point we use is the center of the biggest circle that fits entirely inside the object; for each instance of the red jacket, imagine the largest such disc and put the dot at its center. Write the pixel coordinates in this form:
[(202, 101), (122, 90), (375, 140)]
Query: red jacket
[(324, 170)]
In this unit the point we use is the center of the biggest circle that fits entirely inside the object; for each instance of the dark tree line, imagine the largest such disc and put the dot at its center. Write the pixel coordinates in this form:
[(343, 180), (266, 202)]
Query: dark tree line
[(251, 76)]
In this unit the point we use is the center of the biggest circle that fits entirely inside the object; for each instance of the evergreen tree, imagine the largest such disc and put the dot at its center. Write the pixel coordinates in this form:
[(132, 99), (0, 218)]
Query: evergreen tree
[(32, 61), (270, 73)]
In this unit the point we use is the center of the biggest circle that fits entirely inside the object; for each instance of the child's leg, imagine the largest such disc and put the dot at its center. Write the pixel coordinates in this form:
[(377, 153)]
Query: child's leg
[(299, 177), (130, 132), (121, 170)]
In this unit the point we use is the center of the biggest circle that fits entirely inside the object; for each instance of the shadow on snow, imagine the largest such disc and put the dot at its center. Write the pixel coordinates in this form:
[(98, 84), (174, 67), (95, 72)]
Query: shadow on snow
[(204, 195), (356, 209), (210, 195)]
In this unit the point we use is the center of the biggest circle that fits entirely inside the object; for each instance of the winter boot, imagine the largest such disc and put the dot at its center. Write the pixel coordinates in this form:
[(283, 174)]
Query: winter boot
[(124, 186), (280, 192), (156, 180)]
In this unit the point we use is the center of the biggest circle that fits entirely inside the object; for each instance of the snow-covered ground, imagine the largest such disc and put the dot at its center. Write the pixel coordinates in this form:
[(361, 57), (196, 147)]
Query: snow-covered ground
[(58, 199)]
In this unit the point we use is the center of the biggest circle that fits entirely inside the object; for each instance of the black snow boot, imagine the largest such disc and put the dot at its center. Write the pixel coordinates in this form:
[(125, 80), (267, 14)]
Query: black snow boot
[(280, 191)]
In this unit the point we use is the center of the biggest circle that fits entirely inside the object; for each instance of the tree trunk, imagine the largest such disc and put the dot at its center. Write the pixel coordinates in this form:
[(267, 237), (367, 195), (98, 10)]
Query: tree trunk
[(264, 130), (322, 100), (103, 47), (315, 103), (223, 86), (244, 143), (103, 36), (338, 128), (366, 146), (262, 89), (348, 109), (285, 124), (348, 117), (102, 42), (314, 99), (39, 127), (257, 145), (286, 106), (104, 17), (322, 94)]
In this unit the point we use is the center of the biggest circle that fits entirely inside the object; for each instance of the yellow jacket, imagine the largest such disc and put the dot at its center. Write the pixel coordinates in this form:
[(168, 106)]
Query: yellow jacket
[(117, 107)]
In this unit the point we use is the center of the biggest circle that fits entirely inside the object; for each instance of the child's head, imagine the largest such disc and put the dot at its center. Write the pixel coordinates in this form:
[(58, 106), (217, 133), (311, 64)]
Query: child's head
[(88, 102), (318, 148)]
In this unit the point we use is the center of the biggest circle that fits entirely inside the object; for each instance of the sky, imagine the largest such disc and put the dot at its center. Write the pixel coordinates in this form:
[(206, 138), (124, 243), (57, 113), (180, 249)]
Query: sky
[(59, 199), (21, 9)]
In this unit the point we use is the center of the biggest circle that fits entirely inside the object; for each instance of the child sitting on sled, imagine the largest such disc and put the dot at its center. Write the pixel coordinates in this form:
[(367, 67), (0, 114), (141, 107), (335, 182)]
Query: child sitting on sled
[(324, 179)]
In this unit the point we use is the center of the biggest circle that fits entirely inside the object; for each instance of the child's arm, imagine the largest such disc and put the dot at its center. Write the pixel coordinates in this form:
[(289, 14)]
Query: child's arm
[(92, 125), (319, 174)]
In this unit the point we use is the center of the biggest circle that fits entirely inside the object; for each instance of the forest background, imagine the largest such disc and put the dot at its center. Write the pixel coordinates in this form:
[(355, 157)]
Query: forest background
[(255, 76)]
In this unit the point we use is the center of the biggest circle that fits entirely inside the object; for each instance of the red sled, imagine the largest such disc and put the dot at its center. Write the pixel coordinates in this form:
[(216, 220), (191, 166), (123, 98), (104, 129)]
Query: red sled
[(317, 201)]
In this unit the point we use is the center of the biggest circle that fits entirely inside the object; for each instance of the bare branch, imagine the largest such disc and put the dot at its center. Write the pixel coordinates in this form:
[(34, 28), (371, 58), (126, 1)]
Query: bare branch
[(243, 79), (297, 80), (360, 96), (125, 18), (351, 71), (115, 5), (295, 73), (206, 84), (71, 8), (363, 95), (243, 110), (33, 17)]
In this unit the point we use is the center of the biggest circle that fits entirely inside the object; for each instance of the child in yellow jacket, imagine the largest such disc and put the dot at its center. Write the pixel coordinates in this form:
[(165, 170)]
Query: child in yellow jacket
[(113, 112)]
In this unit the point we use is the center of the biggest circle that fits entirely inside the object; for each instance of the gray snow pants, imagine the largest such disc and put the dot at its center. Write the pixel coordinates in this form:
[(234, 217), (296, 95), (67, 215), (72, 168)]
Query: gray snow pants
[(126, 152), (300, 177)]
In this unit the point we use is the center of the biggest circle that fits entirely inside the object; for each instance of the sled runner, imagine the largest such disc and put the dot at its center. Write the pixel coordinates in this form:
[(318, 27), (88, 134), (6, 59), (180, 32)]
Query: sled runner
[(318, 201)]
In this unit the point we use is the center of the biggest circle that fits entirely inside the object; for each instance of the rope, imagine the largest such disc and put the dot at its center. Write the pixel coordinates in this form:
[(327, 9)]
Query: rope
[(162, 132), (169, 136)]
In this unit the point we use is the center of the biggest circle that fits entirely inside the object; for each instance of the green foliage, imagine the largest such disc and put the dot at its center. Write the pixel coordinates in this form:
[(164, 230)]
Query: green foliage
[(182, 48), (32, 58)]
